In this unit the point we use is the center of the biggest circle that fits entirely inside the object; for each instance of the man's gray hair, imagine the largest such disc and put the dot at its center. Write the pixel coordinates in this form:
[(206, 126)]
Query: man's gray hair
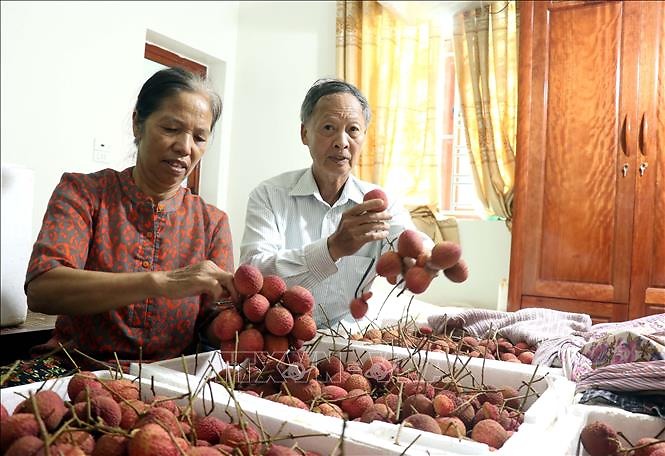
[(328, 86)]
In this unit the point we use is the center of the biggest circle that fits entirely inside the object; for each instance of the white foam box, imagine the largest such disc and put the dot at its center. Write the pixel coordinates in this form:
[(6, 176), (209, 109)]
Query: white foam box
[(633, 425), (554, 394), (283, 423)]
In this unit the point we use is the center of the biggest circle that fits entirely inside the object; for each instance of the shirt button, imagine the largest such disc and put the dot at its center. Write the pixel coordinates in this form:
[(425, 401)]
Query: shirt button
[(149, 235), (146, 264)]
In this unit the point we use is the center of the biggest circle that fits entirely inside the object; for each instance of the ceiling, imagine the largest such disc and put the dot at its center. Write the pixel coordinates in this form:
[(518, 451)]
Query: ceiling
[(416, 10)]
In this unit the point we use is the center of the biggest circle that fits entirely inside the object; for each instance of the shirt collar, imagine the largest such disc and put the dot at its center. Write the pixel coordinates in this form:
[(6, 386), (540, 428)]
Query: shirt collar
[(130, 188), (306, 186)]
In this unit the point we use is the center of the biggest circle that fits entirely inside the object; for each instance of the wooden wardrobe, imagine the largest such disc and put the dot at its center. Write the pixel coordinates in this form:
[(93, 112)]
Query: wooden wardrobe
[(589, 217)]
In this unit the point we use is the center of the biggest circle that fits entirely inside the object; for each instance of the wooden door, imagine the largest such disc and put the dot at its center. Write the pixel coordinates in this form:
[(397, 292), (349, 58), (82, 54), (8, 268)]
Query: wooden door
[(647, 294), (576, 157)]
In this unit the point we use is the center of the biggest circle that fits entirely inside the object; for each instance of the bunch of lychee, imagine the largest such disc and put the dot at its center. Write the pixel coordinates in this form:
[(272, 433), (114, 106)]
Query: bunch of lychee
[(412, 261), (422, 337), (376, 388), (271, 317), (107, 417)]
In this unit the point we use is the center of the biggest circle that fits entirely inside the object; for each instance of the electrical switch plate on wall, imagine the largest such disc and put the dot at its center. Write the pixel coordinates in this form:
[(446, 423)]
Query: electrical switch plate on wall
[(101, 151)]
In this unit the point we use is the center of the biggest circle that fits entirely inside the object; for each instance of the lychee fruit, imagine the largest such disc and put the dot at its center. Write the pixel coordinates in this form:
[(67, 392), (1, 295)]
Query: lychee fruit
[(275, 345), (330, 366), (160, 416), (378, 369), (279, 321), (122, 388), (378, 412), (298, 300), (409, 244), (151, 439), (79, 381), (227, 323), (491, 433), (451, 426), (418, 403), (357, 381), (209, 428), (306, 392), (654, 447), (510, 397), (332, 393), (358, 308), (16, 426), (165, 402), (273, 288), (130, 411), (329, 409), (599, 438), (391, 400), (3, 412), (250, 341), (377, 193), (291, 401), (389, 264), (422, 422), (244, 438), (457, 273), (417, 279), (28, 445), (356, 403), (526, 357), (443, 405), (247, 280), (100, 407), (255, 307), (109, 444), (304, 327), (445, 255), (81, 439), (339, 379), (51, 408)]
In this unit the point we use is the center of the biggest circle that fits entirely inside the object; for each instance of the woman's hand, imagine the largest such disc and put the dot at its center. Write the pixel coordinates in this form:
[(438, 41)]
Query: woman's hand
[(200, 278), (359, 225)]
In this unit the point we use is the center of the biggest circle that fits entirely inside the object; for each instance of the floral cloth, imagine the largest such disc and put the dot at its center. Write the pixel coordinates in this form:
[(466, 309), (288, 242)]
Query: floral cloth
[(624, 347)]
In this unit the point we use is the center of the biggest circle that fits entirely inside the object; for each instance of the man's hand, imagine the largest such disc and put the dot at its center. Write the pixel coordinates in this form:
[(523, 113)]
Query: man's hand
[(359, 225)]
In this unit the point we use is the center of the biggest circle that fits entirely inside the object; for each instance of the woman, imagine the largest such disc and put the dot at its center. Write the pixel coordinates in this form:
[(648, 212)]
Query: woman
[(131, 261)]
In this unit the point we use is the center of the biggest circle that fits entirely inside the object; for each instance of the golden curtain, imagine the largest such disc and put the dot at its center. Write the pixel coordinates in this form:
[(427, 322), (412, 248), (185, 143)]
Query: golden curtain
[(397, 67), (486, 51)]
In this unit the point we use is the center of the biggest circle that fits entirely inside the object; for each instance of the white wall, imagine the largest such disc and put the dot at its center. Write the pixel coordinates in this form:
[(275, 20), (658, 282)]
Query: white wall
[(71, 72)]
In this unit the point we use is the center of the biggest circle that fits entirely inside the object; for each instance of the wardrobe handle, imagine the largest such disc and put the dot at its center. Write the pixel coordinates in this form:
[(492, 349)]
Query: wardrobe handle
[(643, 134), (625, 132)]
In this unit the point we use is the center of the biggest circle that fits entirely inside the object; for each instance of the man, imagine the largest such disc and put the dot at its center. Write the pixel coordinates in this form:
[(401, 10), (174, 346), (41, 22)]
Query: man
[(311, 226)]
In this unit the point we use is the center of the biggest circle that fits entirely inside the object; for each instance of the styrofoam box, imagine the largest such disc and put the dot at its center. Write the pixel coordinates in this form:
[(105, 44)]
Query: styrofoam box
[(281, 423), (555, 395), (633, 425)]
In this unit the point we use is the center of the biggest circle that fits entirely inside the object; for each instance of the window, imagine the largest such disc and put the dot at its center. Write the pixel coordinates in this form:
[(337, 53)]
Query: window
[(164, 58)]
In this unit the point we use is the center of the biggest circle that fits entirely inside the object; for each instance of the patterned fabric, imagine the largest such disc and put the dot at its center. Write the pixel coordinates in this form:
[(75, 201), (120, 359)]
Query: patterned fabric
[(635, 376), (286, 232), (103, 222), (624, 347), (529, 325), (635, 403), (35, 370)]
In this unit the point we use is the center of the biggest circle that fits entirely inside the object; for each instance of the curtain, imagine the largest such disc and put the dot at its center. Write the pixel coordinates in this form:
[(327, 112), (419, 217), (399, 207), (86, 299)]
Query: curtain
[(397, 66), (486, 50)]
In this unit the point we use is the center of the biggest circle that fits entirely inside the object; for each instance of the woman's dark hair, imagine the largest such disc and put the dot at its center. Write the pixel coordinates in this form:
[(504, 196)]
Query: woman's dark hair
[(324, 87), (165, 83)]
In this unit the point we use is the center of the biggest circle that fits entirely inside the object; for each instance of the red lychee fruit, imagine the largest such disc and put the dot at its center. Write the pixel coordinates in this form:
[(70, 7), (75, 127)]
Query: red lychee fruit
[(279, 320), (109, 445), (389, 264), (417, 279), (209, 428), (377, 193), (306, 392), (16, 426), (298, 300), (122, 388), (358, 308), (87, 394), (255, 308), (165, 402), (526, 357), (162, 417), (79, 381), (422, 422), (28, 445), (100, 407), (329, 409), (490, 432), (378, 369), (291, 401), (443, 405), (51, 408), (378, 412), (357, 381), (419, 386), (457, 273), (227, 324), (409, 244), (330, 366), (333, 393), (451, 426), (655, 447), (244, 438), (391, 400), (81, 439), (151, 439), (356, 403), (130, 411), (247, 280), (445, 255), (510, 397), (275, 345), (250, 342), (339, 379), (304, 327), (3, 412), (273, 288), (599, 438), (392, 279)]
